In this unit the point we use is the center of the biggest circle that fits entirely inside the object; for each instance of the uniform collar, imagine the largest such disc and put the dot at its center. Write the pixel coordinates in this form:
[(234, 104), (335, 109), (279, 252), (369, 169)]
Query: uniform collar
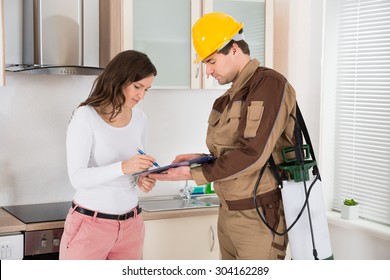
[(244, 76)]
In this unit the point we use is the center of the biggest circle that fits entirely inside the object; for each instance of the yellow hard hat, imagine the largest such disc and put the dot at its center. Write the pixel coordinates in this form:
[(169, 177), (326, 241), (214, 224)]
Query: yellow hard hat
[(212, 31)]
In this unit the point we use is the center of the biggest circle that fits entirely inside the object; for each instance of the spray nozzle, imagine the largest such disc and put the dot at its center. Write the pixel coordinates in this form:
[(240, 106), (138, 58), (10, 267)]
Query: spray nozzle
[(294, 165)]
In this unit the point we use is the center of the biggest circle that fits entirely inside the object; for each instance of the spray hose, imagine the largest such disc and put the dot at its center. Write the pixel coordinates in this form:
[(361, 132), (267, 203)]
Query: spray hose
[(299, 171), (298, 216)]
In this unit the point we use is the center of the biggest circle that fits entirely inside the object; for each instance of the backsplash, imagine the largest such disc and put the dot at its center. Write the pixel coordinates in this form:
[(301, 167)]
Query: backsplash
[(35, 111)]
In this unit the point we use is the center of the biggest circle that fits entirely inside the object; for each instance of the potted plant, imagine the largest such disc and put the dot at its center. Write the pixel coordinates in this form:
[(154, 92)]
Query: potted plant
[(350, 209)]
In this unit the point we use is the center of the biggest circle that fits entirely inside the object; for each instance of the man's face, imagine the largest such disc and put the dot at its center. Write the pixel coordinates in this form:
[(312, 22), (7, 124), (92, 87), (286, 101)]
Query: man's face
[(222, 67)]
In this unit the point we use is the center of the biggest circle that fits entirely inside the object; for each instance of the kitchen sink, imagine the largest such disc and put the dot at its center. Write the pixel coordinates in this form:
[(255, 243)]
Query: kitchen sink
[(167, 203), (208, 199)]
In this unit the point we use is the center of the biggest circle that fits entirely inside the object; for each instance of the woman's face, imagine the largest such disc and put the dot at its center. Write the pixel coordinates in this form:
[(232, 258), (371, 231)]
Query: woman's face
[(136, 91)]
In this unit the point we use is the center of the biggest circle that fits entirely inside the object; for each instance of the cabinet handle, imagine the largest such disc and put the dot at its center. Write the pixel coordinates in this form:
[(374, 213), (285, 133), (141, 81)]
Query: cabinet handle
[(212, 239), (197, 71)]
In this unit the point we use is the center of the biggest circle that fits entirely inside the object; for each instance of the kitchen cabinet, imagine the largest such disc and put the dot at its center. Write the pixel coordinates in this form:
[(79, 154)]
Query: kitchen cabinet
[(154, 27), (186, 238), (11, 246), (2, 50), (162, 29)]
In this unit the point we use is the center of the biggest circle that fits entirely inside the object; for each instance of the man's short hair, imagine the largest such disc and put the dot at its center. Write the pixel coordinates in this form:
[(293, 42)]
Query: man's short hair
[(241, 44)]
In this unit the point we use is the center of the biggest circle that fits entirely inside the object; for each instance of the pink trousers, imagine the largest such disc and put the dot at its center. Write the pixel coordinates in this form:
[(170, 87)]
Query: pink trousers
[(91, 238)]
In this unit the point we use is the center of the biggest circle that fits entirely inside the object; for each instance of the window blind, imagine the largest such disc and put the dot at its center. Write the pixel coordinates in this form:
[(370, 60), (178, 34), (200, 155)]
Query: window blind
[(362, 108)]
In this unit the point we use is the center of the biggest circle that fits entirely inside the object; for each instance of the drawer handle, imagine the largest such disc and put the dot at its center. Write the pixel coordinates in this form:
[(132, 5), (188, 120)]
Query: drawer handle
[(212, 239)]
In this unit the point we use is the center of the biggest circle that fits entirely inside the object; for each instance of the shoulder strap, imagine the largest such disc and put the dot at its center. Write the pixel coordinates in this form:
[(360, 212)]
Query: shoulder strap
[(303, 128), (305, 132), (274, 169)]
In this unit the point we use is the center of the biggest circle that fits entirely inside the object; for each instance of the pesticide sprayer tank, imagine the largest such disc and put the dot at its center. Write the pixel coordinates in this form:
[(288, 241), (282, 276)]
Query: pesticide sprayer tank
[(300, 237)]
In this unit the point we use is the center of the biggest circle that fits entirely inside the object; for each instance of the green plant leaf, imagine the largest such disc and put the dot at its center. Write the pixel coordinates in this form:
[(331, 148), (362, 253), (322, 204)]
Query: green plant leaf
[(350, 202)]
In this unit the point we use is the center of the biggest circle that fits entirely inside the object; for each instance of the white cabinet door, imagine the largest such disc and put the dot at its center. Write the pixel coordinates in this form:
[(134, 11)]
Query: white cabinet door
[(2, 51), (161, 29), (189, 238)]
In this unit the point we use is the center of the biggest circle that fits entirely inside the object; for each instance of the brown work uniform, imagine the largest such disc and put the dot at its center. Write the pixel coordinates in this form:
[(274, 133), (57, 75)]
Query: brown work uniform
[(248, 123)]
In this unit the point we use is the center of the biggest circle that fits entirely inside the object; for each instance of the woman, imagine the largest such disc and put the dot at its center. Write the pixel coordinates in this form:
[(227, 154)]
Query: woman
[(102, 140)]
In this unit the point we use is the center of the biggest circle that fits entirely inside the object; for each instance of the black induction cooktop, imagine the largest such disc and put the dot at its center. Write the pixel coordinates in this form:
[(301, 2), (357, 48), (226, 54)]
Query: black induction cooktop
[(38, 213)]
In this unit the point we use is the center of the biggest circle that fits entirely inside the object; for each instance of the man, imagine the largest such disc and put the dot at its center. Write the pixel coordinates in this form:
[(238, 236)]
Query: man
[(248, 123)]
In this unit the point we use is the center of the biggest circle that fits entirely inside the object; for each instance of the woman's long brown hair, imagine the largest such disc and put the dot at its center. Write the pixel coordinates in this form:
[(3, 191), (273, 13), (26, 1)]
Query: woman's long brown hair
[(125, 68)]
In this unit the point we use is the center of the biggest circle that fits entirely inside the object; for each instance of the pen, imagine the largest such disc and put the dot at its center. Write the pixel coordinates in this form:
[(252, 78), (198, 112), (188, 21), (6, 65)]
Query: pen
[(143, 153)]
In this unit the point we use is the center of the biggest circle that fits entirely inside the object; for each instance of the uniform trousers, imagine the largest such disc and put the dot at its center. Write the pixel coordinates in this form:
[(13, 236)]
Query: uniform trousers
[(243, 236)]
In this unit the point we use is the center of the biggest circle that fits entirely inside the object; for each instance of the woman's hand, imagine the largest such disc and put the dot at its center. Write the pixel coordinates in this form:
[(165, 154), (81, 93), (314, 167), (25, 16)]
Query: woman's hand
[(137, 163), (146, 184)]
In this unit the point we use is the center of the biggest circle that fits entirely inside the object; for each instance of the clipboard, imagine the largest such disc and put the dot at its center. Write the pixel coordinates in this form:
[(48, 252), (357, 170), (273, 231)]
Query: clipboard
[(191, 163)]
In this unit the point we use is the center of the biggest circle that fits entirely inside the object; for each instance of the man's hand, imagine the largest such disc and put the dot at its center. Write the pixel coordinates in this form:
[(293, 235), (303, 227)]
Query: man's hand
[(181, 173), (183, 157)]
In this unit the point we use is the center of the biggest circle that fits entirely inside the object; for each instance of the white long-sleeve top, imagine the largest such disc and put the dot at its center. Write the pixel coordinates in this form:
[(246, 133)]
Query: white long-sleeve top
[(95, 151)]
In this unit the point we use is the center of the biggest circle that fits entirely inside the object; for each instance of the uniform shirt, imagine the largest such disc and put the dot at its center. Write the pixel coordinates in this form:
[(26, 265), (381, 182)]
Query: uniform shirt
[(95, 151), (248, 123)]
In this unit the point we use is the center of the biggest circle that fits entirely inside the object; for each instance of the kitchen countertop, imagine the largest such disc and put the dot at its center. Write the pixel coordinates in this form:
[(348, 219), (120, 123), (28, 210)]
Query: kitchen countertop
[(9, 223)]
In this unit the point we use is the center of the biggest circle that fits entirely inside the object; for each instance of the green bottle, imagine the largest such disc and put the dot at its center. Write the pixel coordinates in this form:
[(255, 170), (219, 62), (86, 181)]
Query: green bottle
[(209, 189)]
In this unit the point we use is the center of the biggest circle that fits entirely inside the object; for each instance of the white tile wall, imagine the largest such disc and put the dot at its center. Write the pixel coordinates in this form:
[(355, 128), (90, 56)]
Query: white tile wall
[(34, 113)]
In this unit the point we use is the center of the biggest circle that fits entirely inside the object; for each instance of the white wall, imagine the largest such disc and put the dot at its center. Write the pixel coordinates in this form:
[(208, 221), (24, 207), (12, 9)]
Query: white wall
[(177, 125), (297, 55), (34, 113)]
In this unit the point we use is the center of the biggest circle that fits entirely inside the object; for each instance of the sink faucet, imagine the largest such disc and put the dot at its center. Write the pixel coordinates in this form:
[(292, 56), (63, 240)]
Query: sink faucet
[(186, 192)]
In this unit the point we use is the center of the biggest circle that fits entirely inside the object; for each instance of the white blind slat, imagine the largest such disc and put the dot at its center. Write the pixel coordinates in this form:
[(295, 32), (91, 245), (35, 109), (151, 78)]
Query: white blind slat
[(362, 109)]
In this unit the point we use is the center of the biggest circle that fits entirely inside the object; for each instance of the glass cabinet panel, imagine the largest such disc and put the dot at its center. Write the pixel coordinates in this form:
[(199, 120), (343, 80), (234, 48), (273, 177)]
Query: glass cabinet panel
[(162, 30), (252, 14)]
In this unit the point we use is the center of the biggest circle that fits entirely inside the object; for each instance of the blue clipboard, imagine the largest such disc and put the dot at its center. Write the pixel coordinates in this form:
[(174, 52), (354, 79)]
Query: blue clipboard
[(192, 163)]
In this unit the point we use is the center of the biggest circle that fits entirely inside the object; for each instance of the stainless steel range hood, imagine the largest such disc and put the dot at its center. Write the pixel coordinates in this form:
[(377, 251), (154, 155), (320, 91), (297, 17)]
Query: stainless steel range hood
[(52, 36)]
